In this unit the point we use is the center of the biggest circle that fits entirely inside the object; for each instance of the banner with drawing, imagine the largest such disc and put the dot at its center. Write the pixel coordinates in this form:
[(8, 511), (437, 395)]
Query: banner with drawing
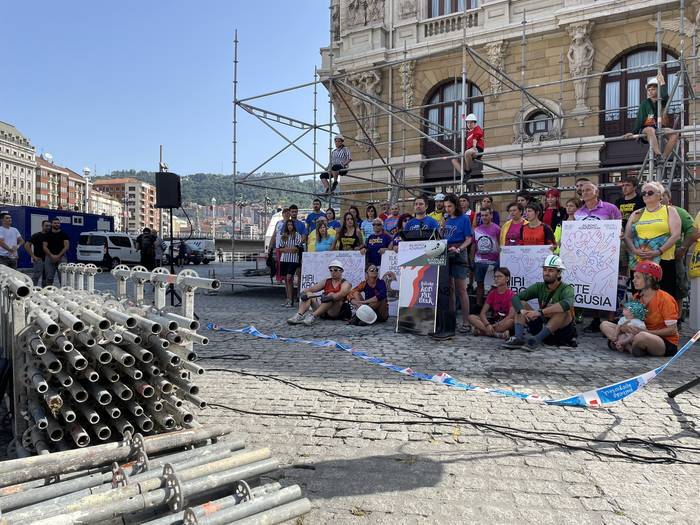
[(591, 253), (314, 267), (390, 273)]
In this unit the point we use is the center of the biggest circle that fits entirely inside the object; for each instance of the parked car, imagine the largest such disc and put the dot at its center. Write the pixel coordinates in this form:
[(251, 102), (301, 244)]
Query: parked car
[(193, 255), (122, 248), (206, 247)]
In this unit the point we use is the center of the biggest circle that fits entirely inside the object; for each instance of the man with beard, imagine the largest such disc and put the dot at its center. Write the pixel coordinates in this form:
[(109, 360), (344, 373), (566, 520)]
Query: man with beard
[(553, 322)]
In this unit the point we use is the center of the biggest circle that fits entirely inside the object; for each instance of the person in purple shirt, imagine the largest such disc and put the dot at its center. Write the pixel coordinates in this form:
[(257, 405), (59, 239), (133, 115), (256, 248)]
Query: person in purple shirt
[(593, 208), (486, 240), (421, 221), (376, 243)]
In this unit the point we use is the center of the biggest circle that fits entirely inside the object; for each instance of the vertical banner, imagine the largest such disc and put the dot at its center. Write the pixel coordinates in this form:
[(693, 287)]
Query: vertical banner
[(420, 263), (389, 272), (525, 264), (591, 253), (314, 267)]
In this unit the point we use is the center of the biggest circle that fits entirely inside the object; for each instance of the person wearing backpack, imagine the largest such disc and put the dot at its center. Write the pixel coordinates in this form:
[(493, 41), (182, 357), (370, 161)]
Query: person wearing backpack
[(147, 246)]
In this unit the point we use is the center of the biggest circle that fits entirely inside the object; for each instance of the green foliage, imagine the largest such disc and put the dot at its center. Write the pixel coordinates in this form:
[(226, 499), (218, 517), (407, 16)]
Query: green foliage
[(201, 187)]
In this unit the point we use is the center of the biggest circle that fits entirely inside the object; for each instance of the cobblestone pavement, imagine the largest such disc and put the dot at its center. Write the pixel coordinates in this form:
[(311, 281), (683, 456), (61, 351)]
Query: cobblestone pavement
[(393, 468)]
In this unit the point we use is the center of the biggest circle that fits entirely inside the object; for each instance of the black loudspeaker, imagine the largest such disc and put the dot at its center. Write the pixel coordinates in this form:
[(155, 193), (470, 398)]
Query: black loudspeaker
[(168, 190)]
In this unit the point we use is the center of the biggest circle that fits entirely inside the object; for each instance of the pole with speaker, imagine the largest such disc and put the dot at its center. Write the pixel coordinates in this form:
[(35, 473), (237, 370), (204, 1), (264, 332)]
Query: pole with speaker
[(168, 196)]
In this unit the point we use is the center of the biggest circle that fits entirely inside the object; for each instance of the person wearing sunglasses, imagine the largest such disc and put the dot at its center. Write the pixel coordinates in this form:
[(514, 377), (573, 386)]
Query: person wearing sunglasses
[(651, 234), (372, 292), (325, 299)]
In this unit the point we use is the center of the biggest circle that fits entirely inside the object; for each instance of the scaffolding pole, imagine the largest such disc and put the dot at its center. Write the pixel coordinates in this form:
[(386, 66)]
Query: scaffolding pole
[(235, 153)]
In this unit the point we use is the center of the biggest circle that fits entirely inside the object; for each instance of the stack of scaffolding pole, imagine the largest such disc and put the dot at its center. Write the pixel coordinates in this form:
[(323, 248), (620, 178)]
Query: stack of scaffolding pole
[(203, 475)]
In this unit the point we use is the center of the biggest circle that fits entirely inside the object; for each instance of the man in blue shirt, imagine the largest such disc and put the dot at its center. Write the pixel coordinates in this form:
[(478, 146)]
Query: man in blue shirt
[(376, 243), (312, 217), (421, 221), (299, 225)]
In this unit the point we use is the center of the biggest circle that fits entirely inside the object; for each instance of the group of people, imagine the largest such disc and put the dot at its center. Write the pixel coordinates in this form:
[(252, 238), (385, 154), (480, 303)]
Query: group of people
[(655, 239)]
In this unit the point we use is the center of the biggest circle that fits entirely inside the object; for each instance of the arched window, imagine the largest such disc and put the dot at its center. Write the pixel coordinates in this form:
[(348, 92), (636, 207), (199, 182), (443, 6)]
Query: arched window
[(538, 123), (443, 111), (624, 87)]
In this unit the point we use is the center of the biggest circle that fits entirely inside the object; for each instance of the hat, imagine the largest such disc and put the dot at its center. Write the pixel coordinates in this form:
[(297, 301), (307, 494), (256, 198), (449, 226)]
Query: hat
[(471, 117), (339, 137), (335, 263), (439, 197), (650, 268), (652, 82), (553, 261), (366, 314)]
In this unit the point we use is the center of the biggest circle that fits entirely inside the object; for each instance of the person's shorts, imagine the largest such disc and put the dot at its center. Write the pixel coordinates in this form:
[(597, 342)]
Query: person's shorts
[(480, 271), (458, 265), (324, 175), (562, 337), (288, 268), (344, 314), (671, 349)]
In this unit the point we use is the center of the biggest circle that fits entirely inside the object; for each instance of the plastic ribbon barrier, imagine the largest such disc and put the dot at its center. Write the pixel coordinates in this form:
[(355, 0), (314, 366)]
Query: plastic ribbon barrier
[(592, 398)]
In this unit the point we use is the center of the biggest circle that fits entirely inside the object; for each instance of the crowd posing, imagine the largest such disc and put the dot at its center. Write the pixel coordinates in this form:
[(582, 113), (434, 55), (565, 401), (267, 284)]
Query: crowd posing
[(655, 239)]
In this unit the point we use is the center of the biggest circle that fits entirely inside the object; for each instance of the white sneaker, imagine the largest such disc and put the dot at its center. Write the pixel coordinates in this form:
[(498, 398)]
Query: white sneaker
[(287, 304), (296, 319), (309, 319)]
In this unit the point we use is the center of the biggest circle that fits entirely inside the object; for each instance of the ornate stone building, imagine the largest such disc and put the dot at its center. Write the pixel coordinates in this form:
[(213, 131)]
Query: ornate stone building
[(17, 167), (585, 62)]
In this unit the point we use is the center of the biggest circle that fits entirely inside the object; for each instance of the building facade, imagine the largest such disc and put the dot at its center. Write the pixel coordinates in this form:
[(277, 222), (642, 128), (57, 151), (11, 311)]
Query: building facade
[(101, 203), (51, 184), (585, 64), (139, 200), (17, 167)]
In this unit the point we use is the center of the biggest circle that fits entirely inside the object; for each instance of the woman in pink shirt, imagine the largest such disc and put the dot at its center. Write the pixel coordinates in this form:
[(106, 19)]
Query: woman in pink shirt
[(497, 316)]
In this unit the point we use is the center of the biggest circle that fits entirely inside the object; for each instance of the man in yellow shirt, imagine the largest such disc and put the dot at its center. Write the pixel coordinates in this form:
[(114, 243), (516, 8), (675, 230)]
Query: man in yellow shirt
[(439, 213)]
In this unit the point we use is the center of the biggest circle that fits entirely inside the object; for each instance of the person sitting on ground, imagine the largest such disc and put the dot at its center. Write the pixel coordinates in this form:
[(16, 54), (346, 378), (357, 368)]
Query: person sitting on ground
[(391, 222), (497, 316), (553, 322), (349, 236), (420, 221), (322, 238), (372, 292), (486, 202), (439, 212), (570, 207), (633, 313), (535, 232), (512, 230), (325, 300), (473, 146), (367, 225), (554, 213), (290, 257), (376, 244), (332, 221), (312, 217), (486, 251), (660, 338), (397, 238), (340, 160), (646, 123)]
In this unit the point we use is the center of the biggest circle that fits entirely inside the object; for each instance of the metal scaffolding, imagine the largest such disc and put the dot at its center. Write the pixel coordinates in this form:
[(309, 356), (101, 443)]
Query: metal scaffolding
[(412, 118)]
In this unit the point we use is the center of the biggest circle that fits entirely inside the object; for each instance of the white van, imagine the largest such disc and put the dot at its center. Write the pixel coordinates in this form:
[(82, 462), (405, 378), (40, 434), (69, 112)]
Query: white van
[(206, 247), (122, 248), (276, 217)]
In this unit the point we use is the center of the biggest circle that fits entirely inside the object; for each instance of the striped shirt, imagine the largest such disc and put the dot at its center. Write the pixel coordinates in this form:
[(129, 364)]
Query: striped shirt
[(288, 242), (341, 156)]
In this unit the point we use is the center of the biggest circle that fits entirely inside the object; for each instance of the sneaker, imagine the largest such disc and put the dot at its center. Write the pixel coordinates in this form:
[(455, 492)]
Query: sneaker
[(465, 329), (594, 327), (309, 319), (295, 319), (287, 304), (531, 344), (442, 336), (579, 317), (502, 335), (638, 352), (514, 342)]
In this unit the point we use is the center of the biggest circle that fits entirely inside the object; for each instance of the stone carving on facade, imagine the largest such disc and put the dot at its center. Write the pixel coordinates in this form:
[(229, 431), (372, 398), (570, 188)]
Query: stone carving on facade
[(555, 126), (407, 84), (496, 52), (370, 83), (674, 26), (364, 12), (335, 20), (407, 9), (580, 56)]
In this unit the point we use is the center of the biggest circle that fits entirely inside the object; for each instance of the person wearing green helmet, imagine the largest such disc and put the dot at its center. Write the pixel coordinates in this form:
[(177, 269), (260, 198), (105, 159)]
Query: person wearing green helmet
[(553, 322)]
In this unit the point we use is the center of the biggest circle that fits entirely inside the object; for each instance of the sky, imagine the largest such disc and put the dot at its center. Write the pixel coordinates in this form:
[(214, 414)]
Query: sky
[(103, 84)]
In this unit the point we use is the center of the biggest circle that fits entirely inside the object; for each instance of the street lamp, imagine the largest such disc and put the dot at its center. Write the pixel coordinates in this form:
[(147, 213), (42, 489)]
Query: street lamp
[(213, 218)]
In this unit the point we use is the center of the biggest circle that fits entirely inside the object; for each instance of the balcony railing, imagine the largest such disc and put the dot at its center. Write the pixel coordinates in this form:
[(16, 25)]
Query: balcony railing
[(450, 23)]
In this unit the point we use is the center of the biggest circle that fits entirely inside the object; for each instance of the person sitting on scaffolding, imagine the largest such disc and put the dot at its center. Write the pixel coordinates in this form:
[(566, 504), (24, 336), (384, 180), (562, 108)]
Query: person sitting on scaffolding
[(647, 120), (340, 160), (474, 145)]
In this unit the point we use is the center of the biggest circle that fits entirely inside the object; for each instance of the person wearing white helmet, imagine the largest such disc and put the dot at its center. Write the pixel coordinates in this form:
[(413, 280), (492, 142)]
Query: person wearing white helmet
[(553, 322), (473, 145), (325, 299), (340, 160), (646, 123), (439, 213)]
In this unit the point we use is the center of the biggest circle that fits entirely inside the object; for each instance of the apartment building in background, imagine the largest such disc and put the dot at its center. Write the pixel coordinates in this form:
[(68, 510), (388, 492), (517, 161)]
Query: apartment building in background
[(17, 167), (138, 200), (101, 203)]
